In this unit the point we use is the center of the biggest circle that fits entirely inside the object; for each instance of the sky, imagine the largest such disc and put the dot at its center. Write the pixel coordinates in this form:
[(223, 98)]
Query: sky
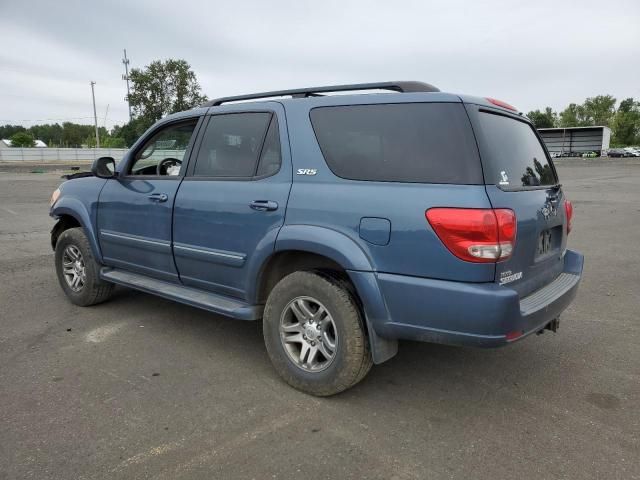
[(530, 54)]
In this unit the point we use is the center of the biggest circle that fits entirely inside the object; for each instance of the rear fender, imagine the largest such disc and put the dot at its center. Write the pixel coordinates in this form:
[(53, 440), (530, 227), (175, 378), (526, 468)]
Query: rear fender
[(350, 256), (326, 242)]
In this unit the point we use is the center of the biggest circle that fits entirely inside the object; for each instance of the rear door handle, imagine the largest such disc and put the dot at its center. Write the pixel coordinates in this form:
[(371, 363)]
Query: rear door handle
[(264, 205), (158, 197)]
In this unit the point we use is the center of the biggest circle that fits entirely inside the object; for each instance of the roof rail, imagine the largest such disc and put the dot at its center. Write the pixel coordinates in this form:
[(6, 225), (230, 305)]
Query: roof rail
[(403, 87)]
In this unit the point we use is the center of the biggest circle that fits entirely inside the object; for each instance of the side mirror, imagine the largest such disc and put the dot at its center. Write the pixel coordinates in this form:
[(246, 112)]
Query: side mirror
[(104, 167)]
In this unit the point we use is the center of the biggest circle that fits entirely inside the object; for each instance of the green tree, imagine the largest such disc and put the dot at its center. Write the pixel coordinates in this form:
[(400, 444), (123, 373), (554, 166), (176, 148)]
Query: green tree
[(75, 135), (626, 123), (51, 134), (163, 87), (90, 141), (546, 119), (572, 116), (131, 131), (22, 139), (7, 131), (598, 110), (113, 142)]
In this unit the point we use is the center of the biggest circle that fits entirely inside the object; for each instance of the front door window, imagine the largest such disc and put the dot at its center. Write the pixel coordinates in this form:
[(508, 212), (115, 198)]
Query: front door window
[(164, 153)]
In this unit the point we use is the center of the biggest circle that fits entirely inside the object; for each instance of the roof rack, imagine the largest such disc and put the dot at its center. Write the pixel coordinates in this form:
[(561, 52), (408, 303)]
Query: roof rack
[(403, 87)]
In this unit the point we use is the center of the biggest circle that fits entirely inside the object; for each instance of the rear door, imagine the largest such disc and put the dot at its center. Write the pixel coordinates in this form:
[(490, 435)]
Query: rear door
[(232, 202), (519, 175)]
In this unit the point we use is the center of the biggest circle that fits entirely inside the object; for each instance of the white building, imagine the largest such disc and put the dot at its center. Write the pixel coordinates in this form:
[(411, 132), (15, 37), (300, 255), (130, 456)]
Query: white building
[(576, 140), (6, 143)]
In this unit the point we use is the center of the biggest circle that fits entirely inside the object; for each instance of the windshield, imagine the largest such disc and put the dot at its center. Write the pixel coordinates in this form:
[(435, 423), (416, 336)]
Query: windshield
[(512, 155)]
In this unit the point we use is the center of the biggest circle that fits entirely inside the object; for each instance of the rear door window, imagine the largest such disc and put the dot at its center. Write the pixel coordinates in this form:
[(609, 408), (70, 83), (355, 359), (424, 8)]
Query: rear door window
[(270, 158), (408, 142), (231, 145), (512, 154)]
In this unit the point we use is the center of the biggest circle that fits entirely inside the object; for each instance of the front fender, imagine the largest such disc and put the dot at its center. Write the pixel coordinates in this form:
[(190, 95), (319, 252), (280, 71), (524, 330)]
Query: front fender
[(75, 208)]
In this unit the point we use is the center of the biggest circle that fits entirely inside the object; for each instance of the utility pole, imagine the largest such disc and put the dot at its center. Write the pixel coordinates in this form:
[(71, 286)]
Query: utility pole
[(125, 77), (104, 122), (95, 115)]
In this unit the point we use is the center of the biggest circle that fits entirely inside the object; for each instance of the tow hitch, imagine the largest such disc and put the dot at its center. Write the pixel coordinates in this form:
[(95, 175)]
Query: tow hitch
[(553, 325)]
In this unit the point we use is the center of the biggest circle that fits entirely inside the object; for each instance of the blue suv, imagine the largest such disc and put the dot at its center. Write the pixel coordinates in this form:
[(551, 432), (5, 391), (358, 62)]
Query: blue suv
[(345, 222)]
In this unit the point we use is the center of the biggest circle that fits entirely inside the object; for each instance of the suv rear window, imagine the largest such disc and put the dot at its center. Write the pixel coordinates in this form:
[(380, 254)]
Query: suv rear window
[(407, 142), (512, 155)]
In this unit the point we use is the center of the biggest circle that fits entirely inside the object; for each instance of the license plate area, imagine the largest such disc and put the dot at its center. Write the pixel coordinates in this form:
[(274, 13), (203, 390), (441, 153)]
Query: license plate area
[(549, 242)]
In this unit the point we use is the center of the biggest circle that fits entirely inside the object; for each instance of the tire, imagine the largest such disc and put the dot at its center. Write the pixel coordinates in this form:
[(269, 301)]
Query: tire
[(73, 247), (342, 326)]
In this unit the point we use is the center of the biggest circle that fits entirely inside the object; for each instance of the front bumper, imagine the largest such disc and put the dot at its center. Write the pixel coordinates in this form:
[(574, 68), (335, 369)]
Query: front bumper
[(474, 314)]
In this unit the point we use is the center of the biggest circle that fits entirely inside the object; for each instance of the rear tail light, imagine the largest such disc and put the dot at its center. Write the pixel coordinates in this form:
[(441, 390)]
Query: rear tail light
[(480, 235), (568, 210)]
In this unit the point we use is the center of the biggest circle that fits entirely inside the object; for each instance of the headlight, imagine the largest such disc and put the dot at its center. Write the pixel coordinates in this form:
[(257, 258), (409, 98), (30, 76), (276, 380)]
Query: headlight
[(54, 197)]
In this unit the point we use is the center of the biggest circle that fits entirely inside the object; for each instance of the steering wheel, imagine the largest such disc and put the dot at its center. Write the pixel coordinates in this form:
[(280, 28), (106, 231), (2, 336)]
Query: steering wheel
[(165, 163)]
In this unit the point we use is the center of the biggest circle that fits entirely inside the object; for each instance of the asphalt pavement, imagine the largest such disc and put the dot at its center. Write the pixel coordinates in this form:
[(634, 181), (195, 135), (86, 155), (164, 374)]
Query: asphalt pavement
[(140, 387)]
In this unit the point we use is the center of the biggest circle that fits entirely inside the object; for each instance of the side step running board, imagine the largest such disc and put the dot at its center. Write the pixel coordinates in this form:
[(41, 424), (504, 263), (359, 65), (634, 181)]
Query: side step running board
[(179, 293)]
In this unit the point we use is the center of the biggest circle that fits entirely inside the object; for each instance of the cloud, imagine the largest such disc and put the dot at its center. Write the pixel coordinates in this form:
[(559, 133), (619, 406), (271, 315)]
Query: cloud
[(531, 54)]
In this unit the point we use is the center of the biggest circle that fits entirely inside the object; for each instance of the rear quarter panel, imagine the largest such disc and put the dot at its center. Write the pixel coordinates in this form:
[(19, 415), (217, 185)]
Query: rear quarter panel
[(328, 201)]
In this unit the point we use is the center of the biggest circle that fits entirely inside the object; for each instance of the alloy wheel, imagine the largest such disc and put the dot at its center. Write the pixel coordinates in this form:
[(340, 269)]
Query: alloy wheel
[(73, 268), (308, 334)]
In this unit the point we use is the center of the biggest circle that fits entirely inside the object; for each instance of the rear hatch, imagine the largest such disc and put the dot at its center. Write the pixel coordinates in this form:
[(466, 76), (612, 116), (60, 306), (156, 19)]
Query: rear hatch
[(519, 175)]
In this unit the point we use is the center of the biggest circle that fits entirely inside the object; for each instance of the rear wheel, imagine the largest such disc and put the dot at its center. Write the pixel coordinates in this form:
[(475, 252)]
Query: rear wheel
[(314, 334), (77, 270)]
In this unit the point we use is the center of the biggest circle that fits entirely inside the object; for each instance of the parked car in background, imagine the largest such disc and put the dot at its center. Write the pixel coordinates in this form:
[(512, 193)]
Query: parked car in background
[(632, 151), (590, 155), (617, 152), (570, 154), (344, 222)]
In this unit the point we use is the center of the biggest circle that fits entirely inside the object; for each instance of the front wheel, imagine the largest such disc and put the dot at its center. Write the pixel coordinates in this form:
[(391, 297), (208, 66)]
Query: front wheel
[(78, 272), (314, 334)]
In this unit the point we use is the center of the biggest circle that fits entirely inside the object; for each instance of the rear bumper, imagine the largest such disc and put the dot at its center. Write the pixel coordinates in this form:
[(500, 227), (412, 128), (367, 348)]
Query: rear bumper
[(474, 314)]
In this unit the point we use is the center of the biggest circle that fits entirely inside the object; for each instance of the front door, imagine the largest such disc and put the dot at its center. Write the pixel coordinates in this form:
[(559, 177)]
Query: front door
[(134, 210), (232, 202)]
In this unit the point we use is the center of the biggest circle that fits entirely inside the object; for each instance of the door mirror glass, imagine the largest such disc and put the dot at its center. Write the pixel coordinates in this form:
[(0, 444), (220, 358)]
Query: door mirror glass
[(104, 167)]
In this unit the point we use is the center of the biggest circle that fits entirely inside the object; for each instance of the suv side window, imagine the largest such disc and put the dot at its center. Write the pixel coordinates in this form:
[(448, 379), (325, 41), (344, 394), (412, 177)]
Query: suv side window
[(231, 145), (270, 158), (164, 153), (405, 142)]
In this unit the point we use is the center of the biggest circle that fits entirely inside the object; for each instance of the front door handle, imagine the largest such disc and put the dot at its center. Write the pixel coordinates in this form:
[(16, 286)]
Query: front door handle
[(264, 205), (158, 197)]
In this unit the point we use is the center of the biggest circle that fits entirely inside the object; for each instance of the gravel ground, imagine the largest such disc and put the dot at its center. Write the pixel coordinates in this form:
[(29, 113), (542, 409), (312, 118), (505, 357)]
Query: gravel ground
[(140, 387)]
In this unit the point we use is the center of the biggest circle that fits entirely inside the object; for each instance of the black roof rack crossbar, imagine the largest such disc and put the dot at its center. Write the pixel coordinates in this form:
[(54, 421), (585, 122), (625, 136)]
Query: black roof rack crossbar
[(403, 87)]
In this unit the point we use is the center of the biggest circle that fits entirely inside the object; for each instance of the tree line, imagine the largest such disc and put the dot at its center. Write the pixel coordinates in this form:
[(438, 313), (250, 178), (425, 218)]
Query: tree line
[(600, 110), (67, 134), (165, 87)]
